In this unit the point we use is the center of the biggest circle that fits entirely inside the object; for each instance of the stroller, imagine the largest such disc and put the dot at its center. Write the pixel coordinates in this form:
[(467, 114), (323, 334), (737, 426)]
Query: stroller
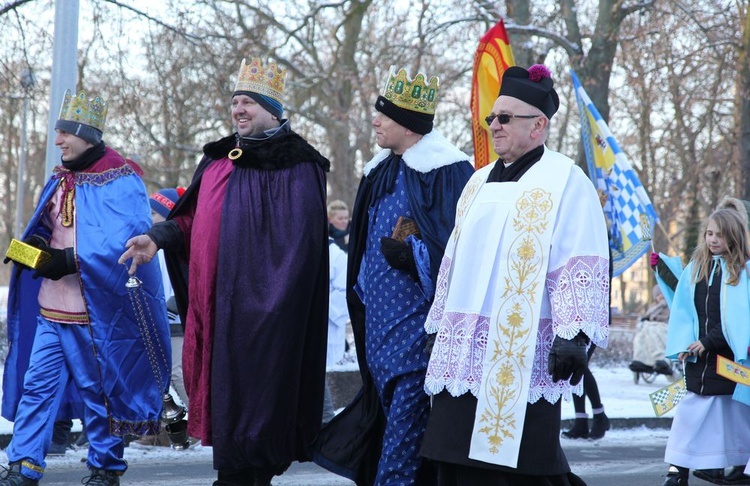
[(648, 353)]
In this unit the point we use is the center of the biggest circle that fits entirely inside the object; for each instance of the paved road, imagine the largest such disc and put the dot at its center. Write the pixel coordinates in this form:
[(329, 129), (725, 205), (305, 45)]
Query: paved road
[(158, 466), (625, 457), (191, 474)]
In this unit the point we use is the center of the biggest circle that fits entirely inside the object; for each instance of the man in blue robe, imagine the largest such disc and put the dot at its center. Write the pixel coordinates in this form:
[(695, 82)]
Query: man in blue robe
[(402, 218), (80, 341)]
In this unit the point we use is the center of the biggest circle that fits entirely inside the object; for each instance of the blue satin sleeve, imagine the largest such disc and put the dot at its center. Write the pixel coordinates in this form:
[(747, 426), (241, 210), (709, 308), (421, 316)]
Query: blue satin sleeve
[(422, 259)]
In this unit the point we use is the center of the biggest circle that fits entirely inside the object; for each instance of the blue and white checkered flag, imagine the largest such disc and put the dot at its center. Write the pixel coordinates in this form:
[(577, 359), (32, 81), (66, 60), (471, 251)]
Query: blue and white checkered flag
[(630, 215)]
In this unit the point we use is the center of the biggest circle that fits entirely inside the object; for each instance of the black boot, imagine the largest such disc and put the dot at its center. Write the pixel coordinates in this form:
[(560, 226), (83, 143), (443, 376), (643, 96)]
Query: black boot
[(102, 477), (735, 476), (242, 477), (580, 429), (599, 426), (12, 476), (715, 476), (677, 476)]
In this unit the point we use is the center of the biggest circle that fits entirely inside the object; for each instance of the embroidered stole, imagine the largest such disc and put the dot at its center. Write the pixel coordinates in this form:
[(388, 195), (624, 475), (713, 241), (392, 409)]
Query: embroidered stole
[(521, 218)]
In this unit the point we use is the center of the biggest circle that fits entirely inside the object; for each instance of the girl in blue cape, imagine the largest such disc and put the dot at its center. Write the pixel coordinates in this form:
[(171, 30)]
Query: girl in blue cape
[(710, 316)]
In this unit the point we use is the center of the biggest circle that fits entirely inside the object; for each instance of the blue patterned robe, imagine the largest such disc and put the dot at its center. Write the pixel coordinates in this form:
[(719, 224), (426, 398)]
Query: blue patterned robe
[(375, 440)]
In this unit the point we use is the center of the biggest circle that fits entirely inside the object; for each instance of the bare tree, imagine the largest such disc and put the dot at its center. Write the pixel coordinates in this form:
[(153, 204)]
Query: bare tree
[(19, 55), (337, 55), (676, 113), (169, 76), (743, 107)]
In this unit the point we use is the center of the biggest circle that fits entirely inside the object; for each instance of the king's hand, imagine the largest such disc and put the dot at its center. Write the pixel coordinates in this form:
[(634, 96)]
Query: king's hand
[(140, 249)]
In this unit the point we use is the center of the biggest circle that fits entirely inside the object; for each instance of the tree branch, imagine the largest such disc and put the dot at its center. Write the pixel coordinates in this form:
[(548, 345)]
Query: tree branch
[(639, 5), (571, 48), (190, 37), (12, 6)]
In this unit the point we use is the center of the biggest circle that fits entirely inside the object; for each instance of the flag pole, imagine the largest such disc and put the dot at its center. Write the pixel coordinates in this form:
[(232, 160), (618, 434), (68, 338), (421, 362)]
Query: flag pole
[(666, 235)]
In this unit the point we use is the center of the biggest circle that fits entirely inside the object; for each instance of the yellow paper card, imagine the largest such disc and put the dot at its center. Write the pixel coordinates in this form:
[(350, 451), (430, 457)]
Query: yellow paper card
[(732, 371), (665, 399)]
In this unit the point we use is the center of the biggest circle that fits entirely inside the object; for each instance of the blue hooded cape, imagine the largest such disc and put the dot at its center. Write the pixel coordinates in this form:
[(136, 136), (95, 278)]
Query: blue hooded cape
[(111, 206)]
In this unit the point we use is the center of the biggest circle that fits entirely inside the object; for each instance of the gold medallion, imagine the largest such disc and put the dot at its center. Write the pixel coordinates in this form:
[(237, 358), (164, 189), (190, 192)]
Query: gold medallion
[(235, 153)]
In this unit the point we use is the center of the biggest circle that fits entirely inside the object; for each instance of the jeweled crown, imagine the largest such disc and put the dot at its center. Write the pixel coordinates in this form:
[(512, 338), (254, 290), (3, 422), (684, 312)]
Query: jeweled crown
[(79, 109), (268, 81), (412, 94)]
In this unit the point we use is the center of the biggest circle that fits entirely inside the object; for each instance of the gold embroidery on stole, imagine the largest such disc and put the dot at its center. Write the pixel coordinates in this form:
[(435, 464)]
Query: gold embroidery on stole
[(515, 318), (467, 197)]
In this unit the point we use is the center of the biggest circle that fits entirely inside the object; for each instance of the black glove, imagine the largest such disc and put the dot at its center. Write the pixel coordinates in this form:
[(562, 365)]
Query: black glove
[(35, 241), (568, 358), (398, 254), (430, 344), (62, 263)]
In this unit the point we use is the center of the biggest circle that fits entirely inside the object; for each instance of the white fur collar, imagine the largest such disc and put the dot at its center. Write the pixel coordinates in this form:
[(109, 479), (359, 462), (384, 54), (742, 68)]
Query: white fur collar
[(431, 152)]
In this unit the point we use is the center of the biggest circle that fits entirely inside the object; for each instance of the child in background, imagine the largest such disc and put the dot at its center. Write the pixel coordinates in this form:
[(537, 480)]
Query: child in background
[(710, 316), (338, 223), (338, 317), (162, 203)]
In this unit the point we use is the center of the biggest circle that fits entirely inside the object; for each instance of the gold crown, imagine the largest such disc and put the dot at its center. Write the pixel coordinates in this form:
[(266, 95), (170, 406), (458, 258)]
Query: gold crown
[(257, 79), (415, 95), (81, 110)]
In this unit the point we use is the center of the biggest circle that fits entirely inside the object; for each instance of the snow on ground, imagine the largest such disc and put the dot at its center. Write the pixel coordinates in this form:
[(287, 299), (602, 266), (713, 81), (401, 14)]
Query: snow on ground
[(133, 454), (622, 398)]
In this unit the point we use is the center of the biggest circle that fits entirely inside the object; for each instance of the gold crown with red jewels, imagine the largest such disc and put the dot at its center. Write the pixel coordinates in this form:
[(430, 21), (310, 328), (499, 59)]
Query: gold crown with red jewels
[(79, 109), (268, 81), (412, 94)]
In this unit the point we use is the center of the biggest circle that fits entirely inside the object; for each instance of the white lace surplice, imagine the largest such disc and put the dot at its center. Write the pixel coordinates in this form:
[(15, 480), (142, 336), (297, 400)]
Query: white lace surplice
[(576, 297)]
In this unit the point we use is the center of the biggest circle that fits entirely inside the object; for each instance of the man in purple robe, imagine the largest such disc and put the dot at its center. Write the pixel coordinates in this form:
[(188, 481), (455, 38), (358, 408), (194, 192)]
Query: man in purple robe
[(251, 229)]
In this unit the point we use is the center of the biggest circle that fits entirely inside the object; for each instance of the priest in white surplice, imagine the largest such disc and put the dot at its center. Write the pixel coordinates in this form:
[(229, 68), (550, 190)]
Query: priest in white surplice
[(523, 289)]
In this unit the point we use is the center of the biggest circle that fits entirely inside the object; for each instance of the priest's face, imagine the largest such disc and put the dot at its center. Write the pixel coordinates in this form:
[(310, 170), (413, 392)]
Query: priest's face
[(249, 117), (390, 135), (519, 135)]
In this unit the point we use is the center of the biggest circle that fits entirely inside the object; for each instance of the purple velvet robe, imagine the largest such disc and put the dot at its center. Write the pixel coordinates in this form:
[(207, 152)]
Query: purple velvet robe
[(256, 327)]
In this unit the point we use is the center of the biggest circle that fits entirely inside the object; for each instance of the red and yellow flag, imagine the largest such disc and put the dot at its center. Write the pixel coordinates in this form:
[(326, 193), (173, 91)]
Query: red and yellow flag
[(492, 58)]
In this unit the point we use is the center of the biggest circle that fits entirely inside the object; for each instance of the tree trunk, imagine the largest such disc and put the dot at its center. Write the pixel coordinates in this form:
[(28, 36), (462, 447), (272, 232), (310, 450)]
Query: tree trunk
[(743, 107), (523, 51)]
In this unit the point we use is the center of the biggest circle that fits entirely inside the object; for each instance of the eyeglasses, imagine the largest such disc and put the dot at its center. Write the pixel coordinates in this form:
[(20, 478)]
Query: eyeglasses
[(504, 118)]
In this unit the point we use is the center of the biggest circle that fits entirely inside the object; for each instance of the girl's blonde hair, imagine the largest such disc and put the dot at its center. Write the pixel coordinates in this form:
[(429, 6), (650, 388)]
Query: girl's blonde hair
[(336, 205), (734, 231)]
